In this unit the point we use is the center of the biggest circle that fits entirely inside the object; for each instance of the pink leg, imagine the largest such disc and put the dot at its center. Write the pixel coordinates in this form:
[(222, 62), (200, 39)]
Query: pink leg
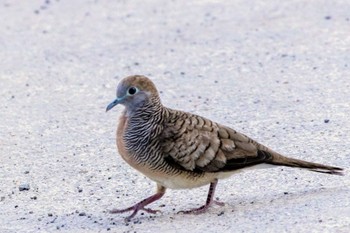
[(141, 205), (208, 203)]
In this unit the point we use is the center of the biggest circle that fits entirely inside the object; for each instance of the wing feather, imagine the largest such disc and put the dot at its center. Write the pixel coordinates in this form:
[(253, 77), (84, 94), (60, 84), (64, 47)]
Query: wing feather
[(198, 144)]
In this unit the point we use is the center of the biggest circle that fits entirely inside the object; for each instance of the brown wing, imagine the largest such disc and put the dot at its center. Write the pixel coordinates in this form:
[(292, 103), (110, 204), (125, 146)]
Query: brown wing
[(198, 144)]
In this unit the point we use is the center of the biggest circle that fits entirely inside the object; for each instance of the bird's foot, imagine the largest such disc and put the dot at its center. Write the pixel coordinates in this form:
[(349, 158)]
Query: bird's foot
[(139, 206), (201, 209), (135, 208)]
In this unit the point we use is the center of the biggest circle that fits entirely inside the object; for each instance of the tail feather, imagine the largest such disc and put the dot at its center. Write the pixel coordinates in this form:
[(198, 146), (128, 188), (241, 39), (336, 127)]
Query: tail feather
[(278, 159)]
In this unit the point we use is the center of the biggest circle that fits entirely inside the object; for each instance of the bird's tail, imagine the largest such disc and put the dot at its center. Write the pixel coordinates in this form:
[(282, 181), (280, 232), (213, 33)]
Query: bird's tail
[(279, 159)]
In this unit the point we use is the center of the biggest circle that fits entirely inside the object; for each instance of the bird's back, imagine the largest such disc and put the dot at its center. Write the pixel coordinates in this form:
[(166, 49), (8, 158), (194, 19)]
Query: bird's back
[(199, 144)]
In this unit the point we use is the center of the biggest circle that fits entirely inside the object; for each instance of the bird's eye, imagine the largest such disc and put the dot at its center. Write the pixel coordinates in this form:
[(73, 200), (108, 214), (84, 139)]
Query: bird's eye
[(132, 90)]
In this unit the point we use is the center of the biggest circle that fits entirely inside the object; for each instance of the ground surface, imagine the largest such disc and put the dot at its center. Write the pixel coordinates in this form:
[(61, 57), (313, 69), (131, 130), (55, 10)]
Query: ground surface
[(278, 71)]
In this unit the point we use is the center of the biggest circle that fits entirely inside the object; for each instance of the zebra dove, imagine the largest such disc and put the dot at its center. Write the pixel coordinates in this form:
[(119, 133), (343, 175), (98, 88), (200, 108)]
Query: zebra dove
[(180, 150)]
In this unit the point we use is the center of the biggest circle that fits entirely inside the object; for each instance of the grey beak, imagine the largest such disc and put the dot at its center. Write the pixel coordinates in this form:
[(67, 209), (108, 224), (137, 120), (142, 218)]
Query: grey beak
[(114, 103)]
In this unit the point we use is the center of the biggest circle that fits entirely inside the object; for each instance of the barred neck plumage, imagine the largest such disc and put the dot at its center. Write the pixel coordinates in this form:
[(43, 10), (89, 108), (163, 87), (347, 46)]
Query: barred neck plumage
[(144, 126)]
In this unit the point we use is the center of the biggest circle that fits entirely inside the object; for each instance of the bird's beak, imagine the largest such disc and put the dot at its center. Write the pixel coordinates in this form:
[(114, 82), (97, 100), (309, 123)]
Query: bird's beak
[(114, 103)]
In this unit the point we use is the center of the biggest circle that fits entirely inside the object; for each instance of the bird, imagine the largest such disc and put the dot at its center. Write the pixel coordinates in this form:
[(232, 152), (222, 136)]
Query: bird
[(181, 150)]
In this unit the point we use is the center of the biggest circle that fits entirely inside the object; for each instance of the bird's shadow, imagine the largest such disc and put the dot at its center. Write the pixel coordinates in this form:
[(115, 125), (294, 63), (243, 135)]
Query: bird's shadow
[(258, 201)]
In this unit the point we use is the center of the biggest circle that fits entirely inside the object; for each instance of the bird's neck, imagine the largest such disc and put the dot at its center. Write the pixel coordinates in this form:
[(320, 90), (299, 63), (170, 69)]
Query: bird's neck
[(144, 124), (147, 111)]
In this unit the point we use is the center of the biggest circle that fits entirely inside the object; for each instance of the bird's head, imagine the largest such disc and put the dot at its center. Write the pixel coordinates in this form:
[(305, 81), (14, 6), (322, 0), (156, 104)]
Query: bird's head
[(134, 91)]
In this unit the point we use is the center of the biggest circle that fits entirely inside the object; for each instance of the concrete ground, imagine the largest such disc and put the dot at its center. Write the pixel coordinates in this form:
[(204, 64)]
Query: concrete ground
[(278, 71)]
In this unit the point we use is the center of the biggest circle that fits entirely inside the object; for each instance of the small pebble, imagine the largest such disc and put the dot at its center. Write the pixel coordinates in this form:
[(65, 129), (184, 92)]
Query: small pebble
[(82, 214), (326, 121), (24, 187), (221, 213)]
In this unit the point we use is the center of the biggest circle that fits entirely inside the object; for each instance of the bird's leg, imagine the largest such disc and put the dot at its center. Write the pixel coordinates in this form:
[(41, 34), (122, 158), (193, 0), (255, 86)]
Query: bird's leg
[(141, 205), (208, 203)]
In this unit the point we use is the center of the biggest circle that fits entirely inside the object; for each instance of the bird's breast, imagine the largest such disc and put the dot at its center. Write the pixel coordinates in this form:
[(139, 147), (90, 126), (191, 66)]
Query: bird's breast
[(170, 178)]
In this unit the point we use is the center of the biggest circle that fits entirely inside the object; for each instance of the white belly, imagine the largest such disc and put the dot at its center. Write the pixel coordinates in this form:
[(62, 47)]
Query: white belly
[(183, 181)]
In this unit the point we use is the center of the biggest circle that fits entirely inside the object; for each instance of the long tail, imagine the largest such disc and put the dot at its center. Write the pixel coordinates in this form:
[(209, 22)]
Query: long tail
[(279, 159)]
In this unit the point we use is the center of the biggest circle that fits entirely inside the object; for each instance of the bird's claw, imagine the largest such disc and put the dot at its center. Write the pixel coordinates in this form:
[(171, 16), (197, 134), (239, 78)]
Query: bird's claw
[(148, 210), (201, 209), (195, 211), (219, 203), (135, 209), (117, 211)]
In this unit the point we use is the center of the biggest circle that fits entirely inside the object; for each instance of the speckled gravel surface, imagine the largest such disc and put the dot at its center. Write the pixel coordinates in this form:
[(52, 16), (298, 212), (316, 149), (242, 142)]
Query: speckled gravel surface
[(278, 71)]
